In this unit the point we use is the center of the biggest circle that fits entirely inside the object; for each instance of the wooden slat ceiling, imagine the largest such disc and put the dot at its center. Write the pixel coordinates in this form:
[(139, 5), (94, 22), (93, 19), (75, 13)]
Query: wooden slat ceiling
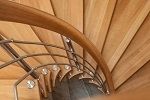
[(7, 93), (24, 32), (97, 16), (31, 61), (118, 28), (136, 55), (4, 56), (140, 79), (45, 35), (127, 18), (72, 12), (11, 72)]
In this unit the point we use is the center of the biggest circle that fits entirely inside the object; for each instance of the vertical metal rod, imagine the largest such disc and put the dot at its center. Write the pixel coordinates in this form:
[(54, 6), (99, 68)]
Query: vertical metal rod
[(15, 93), (19, 81), (65, 46), (70, 46), (95, 70)]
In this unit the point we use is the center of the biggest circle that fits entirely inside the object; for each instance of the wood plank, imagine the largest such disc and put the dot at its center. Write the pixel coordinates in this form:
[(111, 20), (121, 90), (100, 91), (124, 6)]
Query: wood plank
[(48, 81), (74, 72), (31, 61), (136, 55), (128, 16), (42, 83), (47, 36), (94, 82), (85, 76), (19, 31), (71, 11), (97, 16), (38, 18), (4, 56), (54, 75), (11, 72), (140, 79), (6, 90)]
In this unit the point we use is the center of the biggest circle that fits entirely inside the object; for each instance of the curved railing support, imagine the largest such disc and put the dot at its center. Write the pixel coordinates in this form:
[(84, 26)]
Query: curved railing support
[(10, 11)]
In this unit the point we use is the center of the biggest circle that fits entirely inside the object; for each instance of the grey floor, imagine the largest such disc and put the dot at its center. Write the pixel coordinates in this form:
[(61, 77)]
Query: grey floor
[(74, 89)]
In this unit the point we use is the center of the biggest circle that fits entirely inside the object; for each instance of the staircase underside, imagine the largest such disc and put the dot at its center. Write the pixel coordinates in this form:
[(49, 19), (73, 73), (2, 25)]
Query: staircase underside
[(118, 28)]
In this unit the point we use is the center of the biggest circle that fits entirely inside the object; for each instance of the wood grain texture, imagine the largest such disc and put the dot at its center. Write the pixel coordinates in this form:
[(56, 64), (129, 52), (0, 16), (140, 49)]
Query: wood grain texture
[(42, 84), (6, 57), (71, 11), (127, 18), (140, 79), (74, 72), (14, 12), (11, 72), (23, 32), (47, 36), (48, 80), (54, 75), (6, 90), (136, 55), (97, 16), (31, 61)]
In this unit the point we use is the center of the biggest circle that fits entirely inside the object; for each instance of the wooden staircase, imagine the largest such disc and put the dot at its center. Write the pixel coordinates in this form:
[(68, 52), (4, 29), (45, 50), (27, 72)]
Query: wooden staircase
[(48, 46)]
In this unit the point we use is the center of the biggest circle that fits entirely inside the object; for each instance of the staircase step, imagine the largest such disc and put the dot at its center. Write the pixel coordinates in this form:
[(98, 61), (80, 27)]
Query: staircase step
[(93, 82), (42, 83), (48, 81), (74, 72), (11, 72), (65, 69), (54, 74), (6, 90), (85, 76)]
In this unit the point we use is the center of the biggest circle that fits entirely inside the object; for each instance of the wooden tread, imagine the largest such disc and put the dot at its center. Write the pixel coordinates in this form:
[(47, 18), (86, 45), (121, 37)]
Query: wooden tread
[(6, 90)]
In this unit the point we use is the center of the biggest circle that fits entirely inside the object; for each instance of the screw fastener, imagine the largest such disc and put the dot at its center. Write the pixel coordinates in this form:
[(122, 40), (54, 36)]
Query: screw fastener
[(67, 67), (30, 84), (55, 68), (70, 74), (67, 40), (44, 71), (91, 73)]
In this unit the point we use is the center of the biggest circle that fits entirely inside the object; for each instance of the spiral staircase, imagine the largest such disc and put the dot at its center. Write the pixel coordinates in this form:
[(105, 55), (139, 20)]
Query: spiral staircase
[(73, 49)]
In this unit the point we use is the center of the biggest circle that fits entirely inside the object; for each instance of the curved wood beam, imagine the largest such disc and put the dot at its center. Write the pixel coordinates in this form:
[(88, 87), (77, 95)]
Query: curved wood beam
[(14, 12)]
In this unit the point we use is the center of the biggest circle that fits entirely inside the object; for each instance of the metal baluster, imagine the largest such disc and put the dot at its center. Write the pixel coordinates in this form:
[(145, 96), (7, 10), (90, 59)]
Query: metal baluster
[(15, 55)]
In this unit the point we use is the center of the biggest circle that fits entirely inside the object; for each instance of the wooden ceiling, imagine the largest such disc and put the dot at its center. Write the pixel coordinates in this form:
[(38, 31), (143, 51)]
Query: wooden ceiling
[(118, 28)]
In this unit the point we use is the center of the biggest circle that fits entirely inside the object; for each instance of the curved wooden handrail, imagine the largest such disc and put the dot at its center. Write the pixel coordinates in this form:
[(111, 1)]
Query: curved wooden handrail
[(13, 12)]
